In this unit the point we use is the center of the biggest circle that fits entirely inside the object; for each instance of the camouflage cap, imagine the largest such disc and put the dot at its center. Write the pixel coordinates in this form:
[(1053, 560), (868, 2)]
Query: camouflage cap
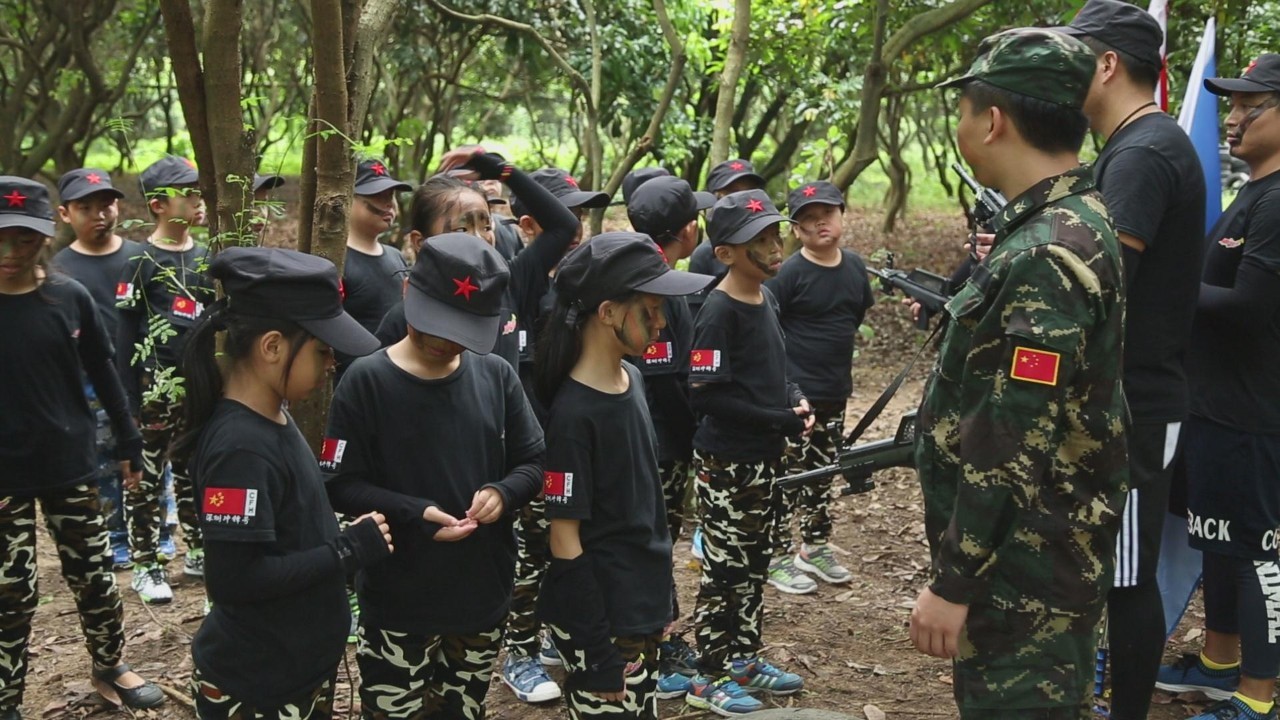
[(1036, 62)]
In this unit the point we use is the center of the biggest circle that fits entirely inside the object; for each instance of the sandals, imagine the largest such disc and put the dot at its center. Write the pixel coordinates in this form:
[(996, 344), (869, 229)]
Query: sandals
[(146, 695)]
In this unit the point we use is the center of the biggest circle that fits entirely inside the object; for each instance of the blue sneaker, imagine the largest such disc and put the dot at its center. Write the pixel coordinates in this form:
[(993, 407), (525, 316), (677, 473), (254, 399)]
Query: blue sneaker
[(528, 680), (1233, 709), (756, 674), (548, 655), (722, 697), (1188, 674), (675, 656), (167, 549), (696, 544), (673, 685), (120, 557)]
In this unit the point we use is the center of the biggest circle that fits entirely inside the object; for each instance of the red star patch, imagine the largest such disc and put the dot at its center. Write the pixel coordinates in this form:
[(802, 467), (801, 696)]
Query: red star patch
[(810, 191), (378, 169), (1249, 69), (755, 205), (736, 165), (465, 287), (569, 179), (93, 178), (16, 199), (189, 163)]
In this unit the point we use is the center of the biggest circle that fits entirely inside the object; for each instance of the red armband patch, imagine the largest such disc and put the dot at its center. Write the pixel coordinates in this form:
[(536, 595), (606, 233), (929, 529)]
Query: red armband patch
[(186, 308), (230, 506), (557, 487), (704, 360), (658, 353), (331, 451), (1035, 366), (124, 290)]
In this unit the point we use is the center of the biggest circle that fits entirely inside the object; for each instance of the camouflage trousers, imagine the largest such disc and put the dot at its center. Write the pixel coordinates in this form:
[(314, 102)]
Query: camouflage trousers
[(675, 476), (143, 512), (1020, 664), (640, 676), (736, 505), (214, 704), (533, 553), (74, 520), (813, 500), (425, 676)]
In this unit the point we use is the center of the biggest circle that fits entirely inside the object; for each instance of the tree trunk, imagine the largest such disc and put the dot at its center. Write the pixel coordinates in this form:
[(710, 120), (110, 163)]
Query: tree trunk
[(180, 31), (232, 147), (733, 63)]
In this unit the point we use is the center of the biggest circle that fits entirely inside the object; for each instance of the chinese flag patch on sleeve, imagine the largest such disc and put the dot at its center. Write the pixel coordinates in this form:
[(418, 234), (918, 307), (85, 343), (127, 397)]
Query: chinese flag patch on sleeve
[(124, 290), (331, 452), (704, 360), (233, 506), (557, 487), (657, 353), (186, 308), (1035, 366)]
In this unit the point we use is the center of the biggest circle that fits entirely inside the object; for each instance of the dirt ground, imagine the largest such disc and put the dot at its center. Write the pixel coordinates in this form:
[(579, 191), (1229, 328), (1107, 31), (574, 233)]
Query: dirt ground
[(850, 643)]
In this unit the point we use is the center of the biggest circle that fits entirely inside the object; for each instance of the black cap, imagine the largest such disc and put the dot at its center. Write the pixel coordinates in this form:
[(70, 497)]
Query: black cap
[(266, 182), (25, 203), (615, 263), (664, 205), (561, 184), (636, 178), (1127, 28), (169, 171), (455, 291), (372, 178), (289, 285), (1262, 75), (739, 217), (814, 192), (85, 182), (729, 172)]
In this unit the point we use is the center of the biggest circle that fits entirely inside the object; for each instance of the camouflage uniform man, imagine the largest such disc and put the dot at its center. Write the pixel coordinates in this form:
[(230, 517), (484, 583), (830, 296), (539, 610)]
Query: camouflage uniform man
[(1022, 450)]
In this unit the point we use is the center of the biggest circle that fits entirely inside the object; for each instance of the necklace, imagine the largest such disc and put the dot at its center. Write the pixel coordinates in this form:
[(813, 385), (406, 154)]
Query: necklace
[(1129, 117)]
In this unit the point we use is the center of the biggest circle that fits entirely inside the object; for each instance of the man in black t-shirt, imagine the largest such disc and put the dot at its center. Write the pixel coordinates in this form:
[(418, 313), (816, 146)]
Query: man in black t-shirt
[(1232, 452), (97, 257), (1152, 183)]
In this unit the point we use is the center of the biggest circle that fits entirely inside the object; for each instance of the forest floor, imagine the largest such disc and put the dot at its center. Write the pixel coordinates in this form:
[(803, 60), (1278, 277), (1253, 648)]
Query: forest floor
[(849, 642)]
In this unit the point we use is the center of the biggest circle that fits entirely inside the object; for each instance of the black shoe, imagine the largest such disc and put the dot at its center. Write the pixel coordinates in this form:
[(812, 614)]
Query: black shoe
[(10, 714), (144, 696)]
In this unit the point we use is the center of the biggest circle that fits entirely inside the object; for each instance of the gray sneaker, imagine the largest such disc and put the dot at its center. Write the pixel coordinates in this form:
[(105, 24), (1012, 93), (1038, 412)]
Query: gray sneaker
[(152, 584), (193, 564), (821, 561), (786, 577)]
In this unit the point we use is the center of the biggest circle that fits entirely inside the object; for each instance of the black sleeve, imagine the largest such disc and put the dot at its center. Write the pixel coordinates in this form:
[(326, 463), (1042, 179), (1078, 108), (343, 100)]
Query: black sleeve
[(669, 395), (962, 273), (393, 327), (794, 394), (1255, 297), (524, 443), (559, 229), (97, 357), (719, 400), (1137, 185), (571, 599), (1131, 259), (131, 329)]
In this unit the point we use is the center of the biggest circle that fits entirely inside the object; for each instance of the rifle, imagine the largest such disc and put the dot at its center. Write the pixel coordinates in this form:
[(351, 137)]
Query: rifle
[(932, 291), (987, 203), (857, 463)]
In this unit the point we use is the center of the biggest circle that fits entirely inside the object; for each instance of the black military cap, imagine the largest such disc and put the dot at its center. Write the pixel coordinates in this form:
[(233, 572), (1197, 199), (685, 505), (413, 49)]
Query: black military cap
[(455, 291), (730, 171), (266, 182), (289, 285), (1262, 75), (664, 205), (84, 182), (814, 192), (739, 217), (372, 178), (614, 263), (561, 184), (169, 171), (636, 178), (25, 203), (1127, 28)]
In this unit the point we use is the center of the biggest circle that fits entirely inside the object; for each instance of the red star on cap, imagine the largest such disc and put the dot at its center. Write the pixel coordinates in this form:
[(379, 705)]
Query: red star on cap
[(736, 165), (189, 163), (16, 199), (93, 178), (809, 191), (465, 287), (569, 179), (1252, 65), (378, 169), (755, 205)]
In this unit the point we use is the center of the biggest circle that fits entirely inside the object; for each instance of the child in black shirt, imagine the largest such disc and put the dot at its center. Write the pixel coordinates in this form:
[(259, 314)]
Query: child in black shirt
[(161, 293), (822, 294), (276, 562), (606, 596), (436, 432), (739, 382), (53, 336)]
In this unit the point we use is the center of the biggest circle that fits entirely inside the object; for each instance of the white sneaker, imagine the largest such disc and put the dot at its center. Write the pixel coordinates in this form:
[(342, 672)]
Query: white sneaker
[(193, 564), (152, 584)]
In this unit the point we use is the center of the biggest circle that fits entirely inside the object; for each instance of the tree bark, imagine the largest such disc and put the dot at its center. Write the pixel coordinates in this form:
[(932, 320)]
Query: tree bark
[(232, 147), (734, 60), (184, 55), (371, 28)]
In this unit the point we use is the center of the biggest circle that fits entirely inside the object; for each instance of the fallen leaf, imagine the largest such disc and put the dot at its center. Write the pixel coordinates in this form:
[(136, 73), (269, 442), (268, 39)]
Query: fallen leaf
[(873, 713)]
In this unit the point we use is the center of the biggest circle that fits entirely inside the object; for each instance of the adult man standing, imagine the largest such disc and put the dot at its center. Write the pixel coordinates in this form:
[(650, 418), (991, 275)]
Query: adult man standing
[(1151, 180), (1022, 445), (1233, 434)]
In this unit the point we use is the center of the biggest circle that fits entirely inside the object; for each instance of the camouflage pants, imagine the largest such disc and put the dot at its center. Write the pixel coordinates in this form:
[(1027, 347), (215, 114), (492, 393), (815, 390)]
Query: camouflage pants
[(736, 505), (143, 511), (675, 476), (641, 676), (1025, 665), (812, 499), (533, 552), (214, 704), (425, 676), (75, 523)]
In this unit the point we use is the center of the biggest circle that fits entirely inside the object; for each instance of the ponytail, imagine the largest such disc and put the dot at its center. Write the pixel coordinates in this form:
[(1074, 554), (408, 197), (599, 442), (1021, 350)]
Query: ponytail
[(202, 376)]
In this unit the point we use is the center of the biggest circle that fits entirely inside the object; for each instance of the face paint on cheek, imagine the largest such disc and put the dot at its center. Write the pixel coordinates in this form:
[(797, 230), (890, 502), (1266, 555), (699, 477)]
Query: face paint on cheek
[(759, 256)]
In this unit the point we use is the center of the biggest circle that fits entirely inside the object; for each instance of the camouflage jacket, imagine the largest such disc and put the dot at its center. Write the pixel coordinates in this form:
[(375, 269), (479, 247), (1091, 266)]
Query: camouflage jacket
[(1022, 453)]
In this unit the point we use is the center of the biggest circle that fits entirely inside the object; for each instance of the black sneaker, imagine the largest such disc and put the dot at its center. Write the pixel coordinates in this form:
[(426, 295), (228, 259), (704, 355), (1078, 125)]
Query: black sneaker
[(675, 656)]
